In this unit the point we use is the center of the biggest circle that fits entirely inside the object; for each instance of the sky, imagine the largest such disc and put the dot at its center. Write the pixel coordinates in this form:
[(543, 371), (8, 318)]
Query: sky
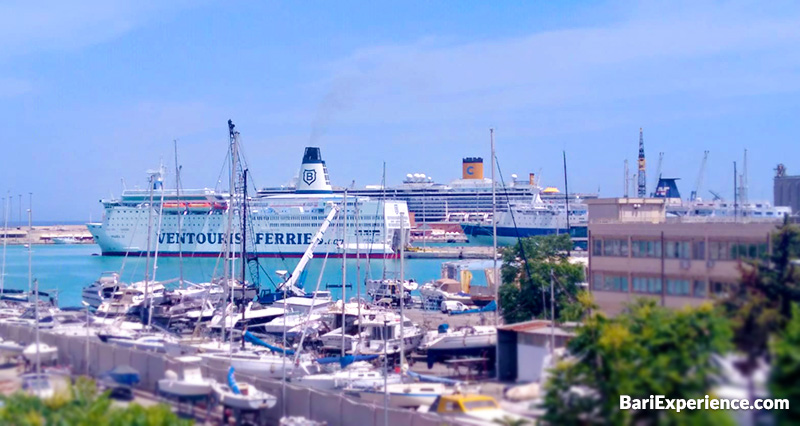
[(93, 93)]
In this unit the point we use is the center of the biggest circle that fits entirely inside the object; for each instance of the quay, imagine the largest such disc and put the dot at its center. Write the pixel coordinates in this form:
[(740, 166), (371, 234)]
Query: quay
[(50, 234), (449, 252)]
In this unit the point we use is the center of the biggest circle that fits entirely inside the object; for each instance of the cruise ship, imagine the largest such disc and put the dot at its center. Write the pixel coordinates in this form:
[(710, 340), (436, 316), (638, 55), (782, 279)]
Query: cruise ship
[(196, 222), (467, 199)]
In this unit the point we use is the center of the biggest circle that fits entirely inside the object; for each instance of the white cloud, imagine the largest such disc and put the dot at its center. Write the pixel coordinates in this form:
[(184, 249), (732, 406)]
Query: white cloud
[(709, 52), (32, 26)]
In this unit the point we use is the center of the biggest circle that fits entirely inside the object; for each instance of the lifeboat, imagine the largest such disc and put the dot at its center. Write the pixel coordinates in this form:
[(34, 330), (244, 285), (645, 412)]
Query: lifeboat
[(220, 206)]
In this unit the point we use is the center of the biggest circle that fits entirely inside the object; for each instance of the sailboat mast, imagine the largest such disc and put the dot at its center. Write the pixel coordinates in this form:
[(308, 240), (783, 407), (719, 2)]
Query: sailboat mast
[(34, 284), (244, 229), (402, 287), (155, 255), (566, 195), (385, 231), (358, 267), (6, 213), (180, 213), (344, 267), (147, 249), (495, 275)]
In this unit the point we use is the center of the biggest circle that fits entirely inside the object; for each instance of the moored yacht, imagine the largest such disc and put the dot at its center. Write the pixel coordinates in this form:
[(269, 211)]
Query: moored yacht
[(388, 333), (101, 290)]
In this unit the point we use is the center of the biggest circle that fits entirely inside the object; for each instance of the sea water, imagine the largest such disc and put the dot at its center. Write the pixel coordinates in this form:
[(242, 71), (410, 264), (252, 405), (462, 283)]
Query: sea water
[(69, 268)]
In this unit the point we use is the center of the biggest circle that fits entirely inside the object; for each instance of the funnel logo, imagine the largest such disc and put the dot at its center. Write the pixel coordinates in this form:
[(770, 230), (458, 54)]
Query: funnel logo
[(309, 176), (470, 170)]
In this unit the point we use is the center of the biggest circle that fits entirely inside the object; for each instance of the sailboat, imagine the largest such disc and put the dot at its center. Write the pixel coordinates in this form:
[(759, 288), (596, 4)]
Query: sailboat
[(233, 394), (242, 395)]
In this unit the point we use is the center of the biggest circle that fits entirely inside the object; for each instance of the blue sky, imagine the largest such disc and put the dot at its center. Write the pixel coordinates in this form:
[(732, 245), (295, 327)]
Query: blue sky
[(95, 92)]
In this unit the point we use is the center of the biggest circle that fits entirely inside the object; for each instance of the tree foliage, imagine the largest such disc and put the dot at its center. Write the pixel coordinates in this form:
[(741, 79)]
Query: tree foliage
[(784, 380), (82, 405), (761, 304), (526, 279), (647, 350)]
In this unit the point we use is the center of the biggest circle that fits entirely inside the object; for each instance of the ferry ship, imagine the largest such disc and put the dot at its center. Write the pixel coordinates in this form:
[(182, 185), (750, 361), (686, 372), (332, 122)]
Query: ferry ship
[(468, 199), (196, 222), (535, 217)]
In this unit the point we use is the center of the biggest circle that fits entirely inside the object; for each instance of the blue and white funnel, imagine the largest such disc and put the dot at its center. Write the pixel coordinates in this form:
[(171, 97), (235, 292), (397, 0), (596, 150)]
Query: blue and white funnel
[(313, 178)]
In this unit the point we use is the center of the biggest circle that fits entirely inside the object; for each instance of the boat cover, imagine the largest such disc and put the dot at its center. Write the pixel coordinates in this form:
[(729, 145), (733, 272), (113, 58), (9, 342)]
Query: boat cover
[(256, 341)]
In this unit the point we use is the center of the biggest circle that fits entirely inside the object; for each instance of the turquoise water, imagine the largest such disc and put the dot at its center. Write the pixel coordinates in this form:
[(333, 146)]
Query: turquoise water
[(68, 268)]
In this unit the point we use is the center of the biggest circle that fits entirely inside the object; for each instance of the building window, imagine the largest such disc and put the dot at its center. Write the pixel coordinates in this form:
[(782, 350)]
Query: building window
[(597, 281), (677, 287), (699, 288), (699, 250), (608, 282), (677, 250), (647, 285), (646, 248), (618, 248), (721, 289), (727, 250), (718, 250), (597, 247)]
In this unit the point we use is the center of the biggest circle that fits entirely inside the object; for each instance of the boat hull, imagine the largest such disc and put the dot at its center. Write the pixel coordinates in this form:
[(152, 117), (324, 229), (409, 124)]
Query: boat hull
[(182, 389)]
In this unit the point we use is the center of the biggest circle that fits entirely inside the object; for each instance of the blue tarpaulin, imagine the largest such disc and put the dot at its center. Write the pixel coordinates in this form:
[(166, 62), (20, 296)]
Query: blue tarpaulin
[(124, 375), (232, 382), (345, 360), (256, 341), (491, 307)]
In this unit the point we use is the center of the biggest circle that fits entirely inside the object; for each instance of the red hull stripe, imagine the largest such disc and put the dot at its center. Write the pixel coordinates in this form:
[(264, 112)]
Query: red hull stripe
[(264, 255)]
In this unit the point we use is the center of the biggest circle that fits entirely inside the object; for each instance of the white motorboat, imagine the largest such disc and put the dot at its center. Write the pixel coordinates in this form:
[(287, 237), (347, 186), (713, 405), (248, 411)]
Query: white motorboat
[(101, 290), (242, 395), (254, 316), (130, 299), (8, 347), (187, 382), (385, 336), (359, 375), (405, 395), (65, 240), (469, 337), (212, 292), (47, 353), (332, 341), (155, 342), (289, 322), (444, 289)]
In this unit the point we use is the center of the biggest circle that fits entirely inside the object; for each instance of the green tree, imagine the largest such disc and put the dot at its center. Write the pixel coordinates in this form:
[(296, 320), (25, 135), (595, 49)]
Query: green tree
[(761, 304), (82, 405), (647, 350), (784, 379), (525, 293)]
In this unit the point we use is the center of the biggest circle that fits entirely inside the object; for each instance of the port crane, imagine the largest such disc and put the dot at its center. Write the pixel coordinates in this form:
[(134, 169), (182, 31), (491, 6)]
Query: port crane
[(699, 182)]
